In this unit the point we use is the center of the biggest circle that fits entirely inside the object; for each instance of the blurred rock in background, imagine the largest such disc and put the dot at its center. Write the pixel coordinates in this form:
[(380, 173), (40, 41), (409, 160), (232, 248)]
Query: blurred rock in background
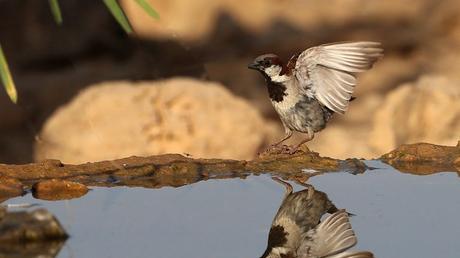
[(214, 40), (120, 119), (425, 111)]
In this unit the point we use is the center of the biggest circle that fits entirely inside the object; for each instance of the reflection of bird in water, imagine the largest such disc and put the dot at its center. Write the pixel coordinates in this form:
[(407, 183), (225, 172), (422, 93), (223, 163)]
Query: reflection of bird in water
[(2, 212), (296, 230)]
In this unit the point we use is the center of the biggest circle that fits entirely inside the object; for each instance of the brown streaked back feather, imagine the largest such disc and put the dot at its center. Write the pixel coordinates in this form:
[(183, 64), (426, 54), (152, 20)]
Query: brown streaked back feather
[(290, 66)]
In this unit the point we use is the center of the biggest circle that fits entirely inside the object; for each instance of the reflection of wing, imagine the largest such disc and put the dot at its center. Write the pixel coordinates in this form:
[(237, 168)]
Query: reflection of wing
[(332, 236), (358, 254), (327, 71)]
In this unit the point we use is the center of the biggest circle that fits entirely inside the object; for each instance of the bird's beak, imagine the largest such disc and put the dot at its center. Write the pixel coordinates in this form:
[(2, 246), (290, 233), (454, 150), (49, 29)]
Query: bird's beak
[(253, 66)]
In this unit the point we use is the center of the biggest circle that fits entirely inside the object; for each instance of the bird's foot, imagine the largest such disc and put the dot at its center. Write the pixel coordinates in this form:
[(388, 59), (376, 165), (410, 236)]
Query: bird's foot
[(291, 149), (298, 149), (279, 149), (273, 149)]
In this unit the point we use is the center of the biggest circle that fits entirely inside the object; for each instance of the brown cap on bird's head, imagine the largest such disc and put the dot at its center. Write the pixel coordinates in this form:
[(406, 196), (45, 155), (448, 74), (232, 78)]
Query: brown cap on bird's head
[(265, 61)]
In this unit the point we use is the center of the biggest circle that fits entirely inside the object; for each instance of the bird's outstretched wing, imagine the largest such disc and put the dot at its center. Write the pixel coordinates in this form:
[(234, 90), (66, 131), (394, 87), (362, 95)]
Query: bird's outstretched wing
[(331, 237), (353, 254), (328, 71)]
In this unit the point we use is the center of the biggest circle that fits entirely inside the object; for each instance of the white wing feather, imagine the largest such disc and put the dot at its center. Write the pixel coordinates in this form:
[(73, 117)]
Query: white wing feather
[(331, 237), (328, 71), (353, 254)]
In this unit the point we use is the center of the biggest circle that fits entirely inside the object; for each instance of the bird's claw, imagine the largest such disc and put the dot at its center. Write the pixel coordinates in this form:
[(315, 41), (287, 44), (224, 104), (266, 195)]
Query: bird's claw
[(289, 149), (280, 149), (292, 149)]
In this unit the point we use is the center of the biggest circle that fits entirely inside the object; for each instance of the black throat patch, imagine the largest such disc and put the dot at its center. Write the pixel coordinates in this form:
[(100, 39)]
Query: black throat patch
[(276, 238), (276, 90)]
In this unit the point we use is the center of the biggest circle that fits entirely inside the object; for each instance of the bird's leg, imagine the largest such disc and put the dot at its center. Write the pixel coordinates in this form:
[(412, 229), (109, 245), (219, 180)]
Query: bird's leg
[(310, 188), (286, 136), (288, 186), (310, 136)]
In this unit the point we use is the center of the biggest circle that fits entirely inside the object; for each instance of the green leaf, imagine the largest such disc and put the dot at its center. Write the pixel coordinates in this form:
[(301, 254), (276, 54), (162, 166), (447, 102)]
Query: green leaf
[(148, 9), (7, 79), (54, 4), (119, 15)]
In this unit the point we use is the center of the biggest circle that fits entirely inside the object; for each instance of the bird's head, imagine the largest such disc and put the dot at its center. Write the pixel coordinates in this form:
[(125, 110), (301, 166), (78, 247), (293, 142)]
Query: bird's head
[(269, 65)]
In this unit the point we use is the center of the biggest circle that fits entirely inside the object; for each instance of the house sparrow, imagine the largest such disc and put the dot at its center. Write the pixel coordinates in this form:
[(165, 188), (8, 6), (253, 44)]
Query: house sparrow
[(296, 230), (314, 84)]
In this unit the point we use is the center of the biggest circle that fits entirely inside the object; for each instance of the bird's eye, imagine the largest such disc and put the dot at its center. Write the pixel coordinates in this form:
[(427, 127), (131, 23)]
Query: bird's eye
[(266, 63)]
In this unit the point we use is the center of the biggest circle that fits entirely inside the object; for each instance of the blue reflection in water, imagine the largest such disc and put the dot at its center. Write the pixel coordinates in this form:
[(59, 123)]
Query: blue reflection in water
[(397, 215)]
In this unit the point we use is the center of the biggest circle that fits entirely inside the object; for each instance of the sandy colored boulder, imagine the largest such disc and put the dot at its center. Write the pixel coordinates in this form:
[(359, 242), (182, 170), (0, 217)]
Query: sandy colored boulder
[(427, 110), (28, 227), (10, 187), (56, 189), (119, 119), (387, 74), (343, 141), (424, 158)]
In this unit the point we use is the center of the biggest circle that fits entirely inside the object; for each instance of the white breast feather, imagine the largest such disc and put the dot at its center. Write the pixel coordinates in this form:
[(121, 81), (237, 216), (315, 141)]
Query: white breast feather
[(274, 73), (293, 230), (292, 97)]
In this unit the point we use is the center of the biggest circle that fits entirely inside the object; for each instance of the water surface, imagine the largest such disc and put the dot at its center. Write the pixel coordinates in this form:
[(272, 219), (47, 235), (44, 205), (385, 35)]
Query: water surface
[(397, 215)]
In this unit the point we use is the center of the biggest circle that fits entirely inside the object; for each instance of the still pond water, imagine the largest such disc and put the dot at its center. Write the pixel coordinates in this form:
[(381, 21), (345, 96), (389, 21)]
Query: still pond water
[(396, 215)]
